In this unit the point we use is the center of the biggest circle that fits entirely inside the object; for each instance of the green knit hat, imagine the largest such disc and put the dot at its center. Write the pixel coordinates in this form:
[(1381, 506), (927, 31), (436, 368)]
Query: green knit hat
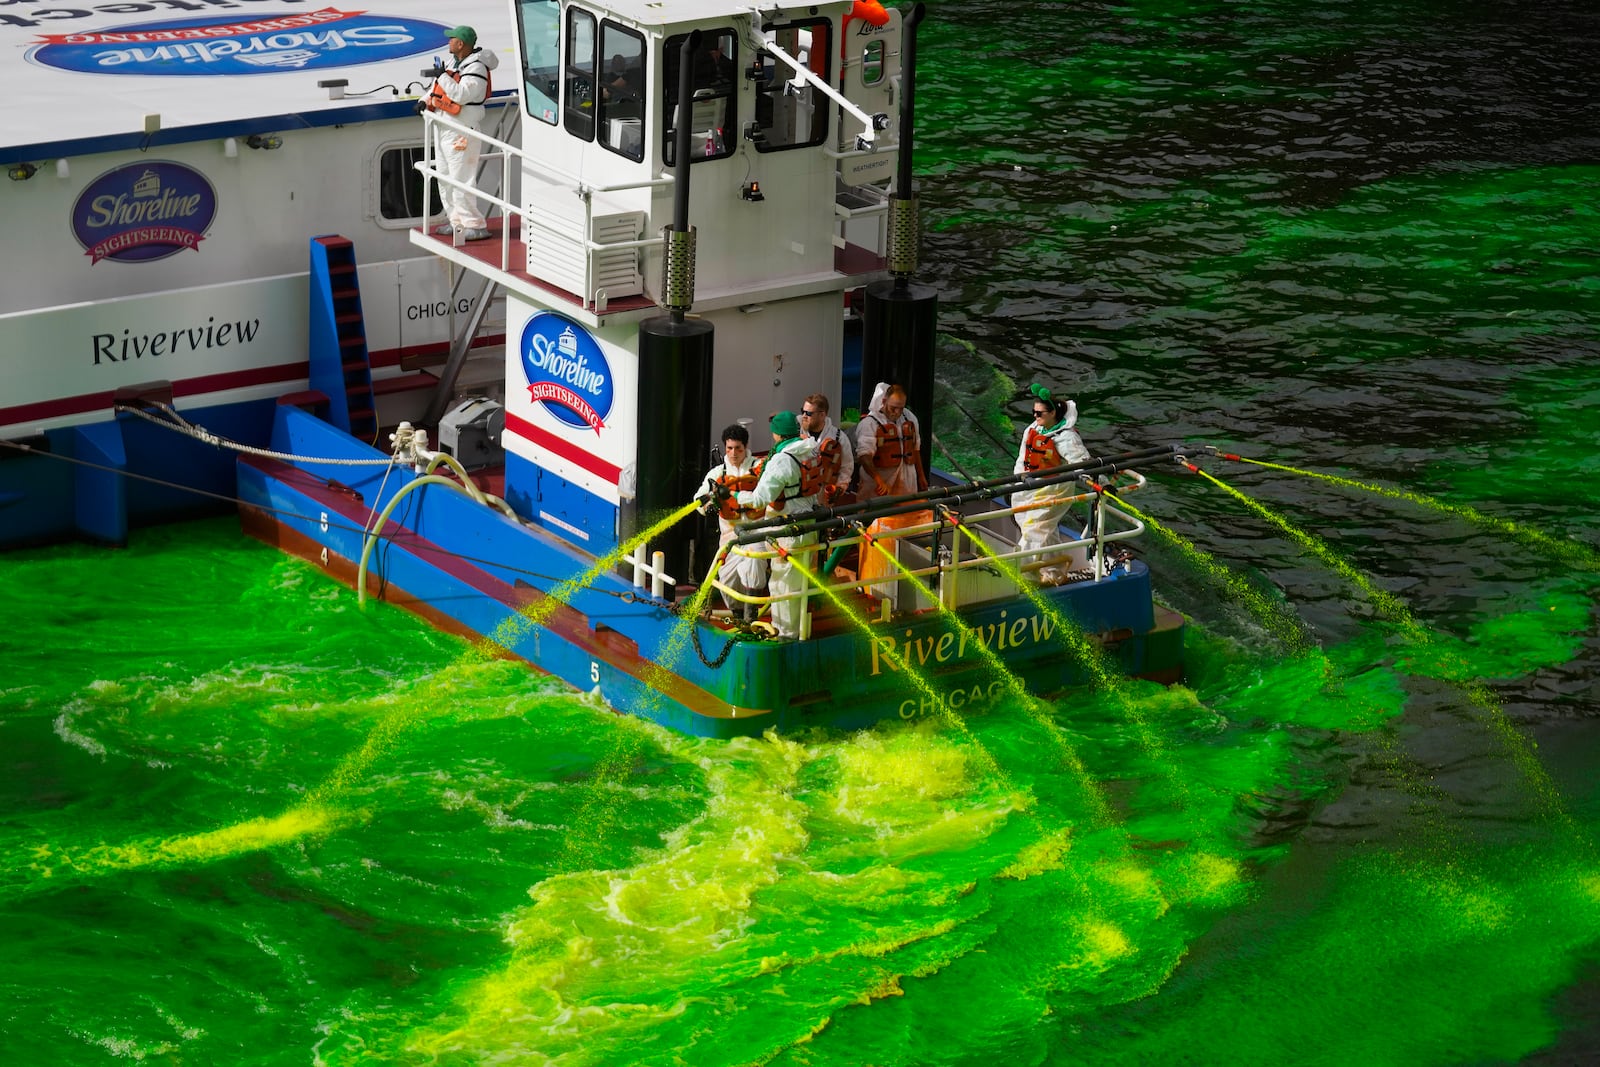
[(784, 424), (468, 35)]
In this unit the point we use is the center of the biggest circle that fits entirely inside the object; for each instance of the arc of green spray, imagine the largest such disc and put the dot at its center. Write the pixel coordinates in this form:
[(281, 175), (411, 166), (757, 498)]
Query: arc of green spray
[(1515, 744), (1030, 703), (539, 612), (946, 716), (317, 813), (1279, 621), (1093, 659), (595, 815), (1566, 551)]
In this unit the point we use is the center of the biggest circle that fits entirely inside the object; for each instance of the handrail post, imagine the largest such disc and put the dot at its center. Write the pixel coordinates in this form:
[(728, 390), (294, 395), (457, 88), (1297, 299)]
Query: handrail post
[(950, 576), (1099, 536), (805, 597)]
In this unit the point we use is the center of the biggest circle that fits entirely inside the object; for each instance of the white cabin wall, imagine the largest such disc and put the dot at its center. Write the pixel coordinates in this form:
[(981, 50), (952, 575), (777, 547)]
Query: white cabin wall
[(268, 203), (772, 359), (71, 327)]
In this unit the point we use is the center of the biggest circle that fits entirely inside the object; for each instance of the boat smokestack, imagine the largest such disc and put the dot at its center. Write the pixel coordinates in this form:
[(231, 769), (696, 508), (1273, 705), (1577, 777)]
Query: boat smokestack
[(900, 319), (905, 224), (677, 261), (675, 369)]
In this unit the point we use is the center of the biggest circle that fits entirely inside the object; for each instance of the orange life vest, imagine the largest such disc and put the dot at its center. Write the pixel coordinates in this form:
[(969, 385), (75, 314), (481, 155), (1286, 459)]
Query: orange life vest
[(896, 444), (819, 470), (439, 100), (737, 483), (1039, 451), (810, 483)]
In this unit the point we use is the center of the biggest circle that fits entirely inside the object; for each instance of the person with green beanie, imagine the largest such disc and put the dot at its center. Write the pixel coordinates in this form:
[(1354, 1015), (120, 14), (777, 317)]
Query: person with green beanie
[(1051, 440), (779, 492)]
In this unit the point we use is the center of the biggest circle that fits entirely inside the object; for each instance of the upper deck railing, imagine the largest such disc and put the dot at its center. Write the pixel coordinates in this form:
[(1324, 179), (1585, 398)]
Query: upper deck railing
[(532, 224)]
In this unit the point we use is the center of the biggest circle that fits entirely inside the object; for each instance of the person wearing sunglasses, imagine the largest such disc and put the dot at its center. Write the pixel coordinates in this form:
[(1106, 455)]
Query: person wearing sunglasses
[(889, 446), (1051, 440), (834, 455)]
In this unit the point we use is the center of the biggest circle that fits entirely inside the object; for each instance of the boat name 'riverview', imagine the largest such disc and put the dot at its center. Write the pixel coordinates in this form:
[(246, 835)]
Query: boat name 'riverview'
[(943, 648), (171, 342)]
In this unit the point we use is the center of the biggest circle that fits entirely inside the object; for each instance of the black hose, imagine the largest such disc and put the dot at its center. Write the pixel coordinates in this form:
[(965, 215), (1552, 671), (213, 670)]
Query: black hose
[(750, 533)]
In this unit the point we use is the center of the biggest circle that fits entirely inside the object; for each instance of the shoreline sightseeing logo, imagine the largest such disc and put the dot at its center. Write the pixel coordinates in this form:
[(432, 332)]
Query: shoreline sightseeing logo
[(566, 371), (210, 46), (141, 212)]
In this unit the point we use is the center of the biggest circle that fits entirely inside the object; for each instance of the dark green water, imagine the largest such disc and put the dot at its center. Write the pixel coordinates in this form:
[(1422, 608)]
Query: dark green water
[(242, 822)]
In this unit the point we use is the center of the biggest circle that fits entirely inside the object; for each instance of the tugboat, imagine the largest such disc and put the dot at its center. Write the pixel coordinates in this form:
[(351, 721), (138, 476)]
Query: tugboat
[(697, 214), (688, 236)]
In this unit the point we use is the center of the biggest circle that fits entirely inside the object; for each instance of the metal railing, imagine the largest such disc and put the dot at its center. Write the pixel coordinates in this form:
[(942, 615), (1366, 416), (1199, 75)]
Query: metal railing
[(944, 573), (511, 155)]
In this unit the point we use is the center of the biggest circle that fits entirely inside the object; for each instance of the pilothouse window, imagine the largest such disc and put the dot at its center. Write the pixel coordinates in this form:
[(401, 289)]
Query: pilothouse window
[(621, 111), (790, 111), (541, 56), (577, 105), (712, 121)]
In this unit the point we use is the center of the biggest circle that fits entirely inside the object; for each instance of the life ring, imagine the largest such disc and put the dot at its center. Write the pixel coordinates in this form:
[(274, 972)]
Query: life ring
[(872, 11)]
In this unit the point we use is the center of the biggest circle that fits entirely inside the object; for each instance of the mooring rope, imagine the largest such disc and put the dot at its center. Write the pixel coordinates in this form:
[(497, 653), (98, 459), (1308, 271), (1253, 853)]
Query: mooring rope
[(628, 595), (178, 424)]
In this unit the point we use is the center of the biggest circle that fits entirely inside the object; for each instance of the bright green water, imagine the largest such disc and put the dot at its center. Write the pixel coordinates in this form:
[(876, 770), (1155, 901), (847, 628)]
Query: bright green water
[(194, 875), (242, 822)]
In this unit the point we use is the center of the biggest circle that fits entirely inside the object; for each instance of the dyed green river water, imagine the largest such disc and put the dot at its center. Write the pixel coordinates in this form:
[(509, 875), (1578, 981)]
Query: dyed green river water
[(242, 822)]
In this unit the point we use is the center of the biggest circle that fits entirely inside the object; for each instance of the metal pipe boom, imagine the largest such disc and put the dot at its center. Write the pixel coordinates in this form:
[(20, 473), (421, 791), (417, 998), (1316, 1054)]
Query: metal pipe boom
[(849, 514)]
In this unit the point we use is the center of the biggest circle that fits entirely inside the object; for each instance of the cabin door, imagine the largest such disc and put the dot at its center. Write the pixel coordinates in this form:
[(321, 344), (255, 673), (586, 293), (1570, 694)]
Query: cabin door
[(870, 79)]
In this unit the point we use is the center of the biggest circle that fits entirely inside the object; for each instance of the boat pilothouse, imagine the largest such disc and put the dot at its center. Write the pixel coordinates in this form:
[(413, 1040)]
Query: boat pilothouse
[(790, 152)]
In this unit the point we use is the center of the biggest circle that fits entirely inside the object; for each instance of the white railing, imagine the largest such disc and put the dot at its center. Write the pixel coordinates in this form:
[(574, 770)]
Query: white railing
[(512, 155), (952, 577)]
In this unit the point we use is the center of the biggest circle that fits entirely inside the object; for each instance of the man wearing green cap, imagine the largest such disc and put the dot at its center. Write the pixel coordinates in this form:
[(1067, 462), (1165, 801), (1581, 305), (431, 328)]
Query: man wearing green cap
[(779, 492), (459, 92)]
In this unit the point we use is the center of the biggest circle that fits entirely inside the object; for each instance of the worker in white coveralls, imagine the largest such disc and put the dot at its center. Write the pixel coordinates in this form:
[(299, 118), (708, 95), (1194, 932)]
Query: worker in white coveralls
[(742, 574), (888, 446), (1050, 440), (460, 91), (779, 492)]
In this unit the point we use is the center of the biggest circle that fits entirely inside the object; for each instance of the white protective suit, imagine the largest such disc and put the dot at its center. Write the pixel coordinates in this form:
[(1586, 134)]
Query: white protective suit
[(901, 478), (1041, 527), (740, 573), (777, 491), (847, 454), (466, 82)]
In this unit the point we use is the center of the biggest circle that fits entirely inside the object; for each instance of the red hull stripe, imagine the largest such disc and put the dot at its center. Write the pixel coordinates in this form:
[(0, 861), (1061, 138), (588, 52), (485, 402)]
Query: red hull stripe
[(563, 448), (100, 403)]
